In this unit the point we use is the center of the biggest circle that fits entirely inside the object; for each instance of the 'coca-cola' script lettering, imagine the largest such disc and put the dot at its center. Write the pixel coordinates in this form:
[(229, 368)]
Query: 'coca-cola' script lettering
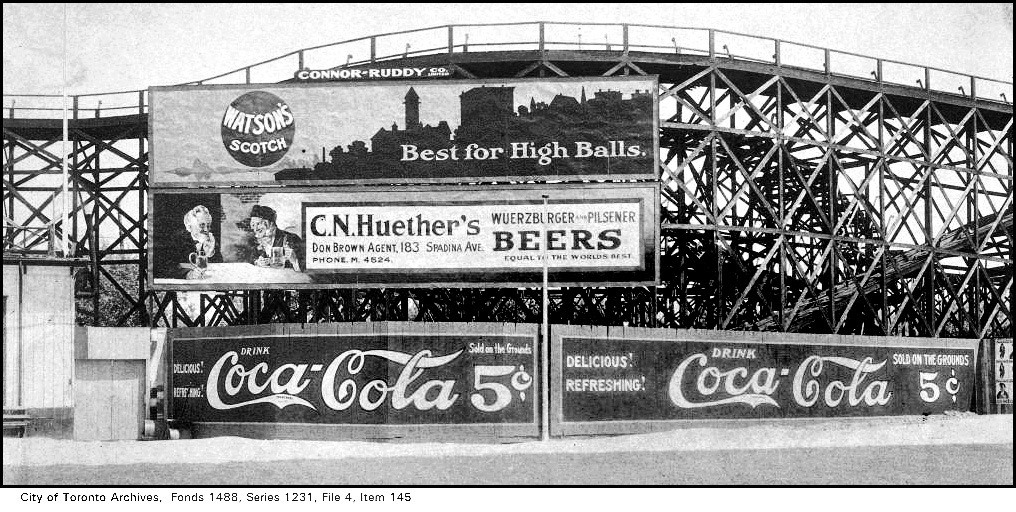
[(712, 387), (286, 382)]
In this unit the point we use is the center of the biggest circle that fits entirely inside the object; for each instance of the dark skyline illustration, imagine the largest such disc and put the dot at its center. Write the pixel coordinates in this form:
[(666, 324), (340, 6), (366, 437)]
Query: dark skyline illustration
[(489, 119)]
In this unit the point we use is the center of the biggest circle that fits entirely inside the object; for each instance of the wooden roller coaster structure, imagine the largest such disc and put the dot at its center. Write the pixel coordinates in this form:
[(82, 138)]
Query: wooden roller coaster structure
[(803, 189)]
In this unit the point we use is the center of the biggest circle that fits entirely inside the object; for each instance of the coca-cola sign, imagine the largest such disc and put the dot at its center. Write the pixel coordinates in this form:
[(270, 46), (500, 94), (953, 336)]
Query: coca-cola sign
[(355, 378), (639, 378)]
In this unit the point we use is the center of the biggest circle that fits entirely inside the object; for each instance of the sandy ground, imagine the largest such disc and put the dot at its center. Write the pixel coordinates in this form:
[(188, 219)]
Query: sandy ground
[(899, 431)]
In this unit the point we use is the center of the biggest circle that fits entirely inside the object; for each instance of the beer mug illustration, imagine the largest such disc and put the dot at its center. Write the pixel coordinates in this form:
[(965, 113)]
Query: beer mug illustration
[(290, 258), (277, 259), (199, 259)]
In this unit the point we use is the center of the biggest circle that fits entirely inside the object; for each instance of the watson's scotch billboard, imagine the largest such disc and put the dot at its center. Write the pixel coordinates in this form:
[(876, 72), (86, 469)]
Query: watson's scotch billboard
[(447, 131)]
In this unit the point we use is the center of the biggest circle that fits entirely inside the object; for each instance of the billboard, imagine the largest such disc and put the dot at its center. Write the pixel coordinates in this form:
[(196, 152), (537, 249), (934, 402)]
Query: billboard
[(310, 133), (622, 379), (479, 236), (356, 374), (1003, 371)]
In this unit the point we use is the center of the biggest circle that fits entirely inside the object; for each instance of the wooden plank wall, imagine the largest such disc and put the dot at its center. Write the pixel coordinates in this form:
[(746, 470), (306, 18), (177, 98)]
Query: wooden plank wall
[(12, 324), (43, 364), (110, 384), (48, 337), (90, 416), (110, 399)]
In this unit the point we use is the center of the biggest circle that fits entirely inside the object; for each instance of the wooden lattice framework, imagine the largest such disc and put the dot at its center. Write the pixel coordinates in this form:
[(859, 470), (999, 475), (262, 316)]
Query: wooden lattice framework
[(793, 199)]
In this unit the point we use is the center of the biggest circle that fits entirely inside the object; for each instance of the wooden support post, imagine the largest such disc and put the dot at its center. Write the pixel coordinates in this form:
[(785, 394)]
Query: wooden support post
[(880, 169), (929, 275), (715, 192), (545, 338), (833, 193), (145, 237), (984, 402), (781, 141)]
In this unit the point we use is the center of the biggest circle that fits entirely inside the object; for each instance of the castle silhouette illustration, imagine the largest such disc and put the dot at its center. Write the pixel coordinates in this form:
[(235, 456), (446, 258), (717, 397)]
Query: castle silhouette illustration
[(489, 119)]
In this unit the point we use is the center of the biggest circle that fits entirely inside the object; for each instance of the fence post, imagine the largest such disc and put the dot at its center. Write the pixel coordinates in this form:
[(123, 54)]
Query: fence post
[(299, 57), (827, 64), (51, 249), (542, 28), (624, 36), (985, 398), (373, 49), (451, 39), (776, 55), (712, 44)]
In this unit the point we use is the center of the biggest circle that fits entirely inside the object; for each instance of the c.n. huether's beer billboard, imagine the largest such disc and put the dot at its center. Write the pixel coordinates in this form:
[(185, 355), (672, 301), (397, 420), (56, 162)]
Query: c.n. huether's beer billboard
[(404, 132), (489, 236)]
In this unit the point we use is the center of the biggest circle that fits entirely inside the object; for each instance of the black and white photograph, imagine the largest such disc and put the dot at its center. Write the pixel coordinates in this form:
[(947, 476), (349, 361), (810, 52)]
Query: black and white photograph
[(489, 256), (436, 130)]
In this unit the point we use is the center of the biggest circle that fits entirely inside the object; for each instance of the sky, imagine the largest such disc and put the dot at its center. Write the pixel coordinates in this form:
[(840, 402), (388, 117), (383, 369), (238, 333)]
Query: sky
[(122, 47)]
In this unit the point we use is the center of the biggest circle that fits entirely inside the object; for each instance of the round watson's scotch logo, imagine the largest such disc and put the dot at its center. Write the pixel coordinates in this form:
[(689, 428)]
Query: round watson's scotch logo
[(257, 129)]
